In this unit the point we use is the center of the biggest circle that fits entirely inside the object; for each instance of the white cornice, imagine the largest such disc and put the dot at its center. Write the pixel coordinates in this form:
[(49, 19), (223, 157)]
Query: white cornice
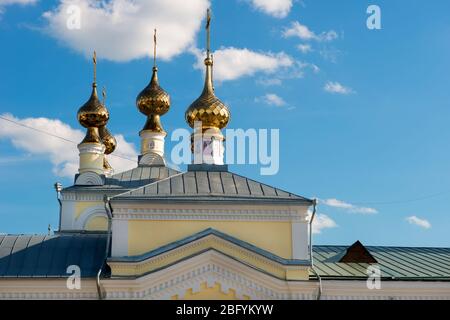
[(257, 214), (213, 267)]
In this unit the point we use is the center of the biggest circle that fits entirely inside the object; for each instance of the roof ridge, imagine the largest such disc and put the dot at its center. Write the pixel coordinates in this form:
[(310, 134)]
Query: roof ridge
[(376, 246), (146, 185), (267, 185)]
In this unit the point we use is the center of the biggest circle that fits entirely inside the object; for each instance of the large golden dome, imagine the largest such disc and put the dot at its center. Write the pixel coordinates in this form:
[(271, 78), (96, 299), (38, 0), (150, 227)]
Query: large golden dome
[(208, 109)]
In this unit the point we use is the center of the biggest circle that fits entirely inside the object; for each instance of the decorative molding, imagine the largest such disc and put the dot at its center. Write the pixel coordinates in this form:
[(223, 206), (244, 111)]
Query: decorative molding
[(94, 196), (210, 267), (87, 215), (213, 267), (152, 159), (208, 243), (94, 148), (89, 179), (46, 289), (209, 214)]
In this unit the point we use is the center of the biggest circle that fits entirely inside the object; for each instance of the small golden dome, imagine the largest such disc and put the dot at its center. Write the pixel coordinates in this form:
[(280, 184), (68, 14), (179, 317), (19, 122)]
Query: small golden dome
[(153, 99), (208, 109), (93, 113), (107, 139)]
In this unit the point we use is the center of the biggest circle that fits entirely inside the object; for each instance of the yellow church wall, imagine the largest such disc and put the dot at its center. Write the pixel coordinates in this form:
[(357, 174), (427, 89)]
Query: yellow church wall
[(213, 293), (244, 256), (97, 224), (81, 206), (274, 237)]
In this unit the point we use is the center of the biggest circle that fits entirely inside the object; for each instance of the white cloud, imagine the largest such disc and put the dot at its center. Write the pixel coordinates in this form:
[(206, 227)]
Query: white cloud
[(272, 99), (423, 223), (321, 222), (302, 31), (269, 82), (233, 63), (335, 203), (275, 8), (22, 2), (330, 54), (304, 48), (336, 87), (63, 154), (299, 30), (122, 30), (4, 3)]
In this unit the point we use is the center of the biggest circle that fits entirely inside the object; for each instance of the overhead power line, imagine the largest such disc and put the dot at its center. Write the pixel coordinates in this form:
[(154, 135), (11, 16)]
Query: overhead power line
[(129, 159), (430, 196), (56, 136)]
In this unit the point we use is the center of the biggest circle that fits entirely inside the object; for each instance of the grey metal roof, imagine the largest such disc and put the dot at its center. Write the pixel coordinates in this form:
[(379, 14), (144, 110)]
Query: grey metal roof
[(49, 256), (132, 179), (396, 263), (209, 186)]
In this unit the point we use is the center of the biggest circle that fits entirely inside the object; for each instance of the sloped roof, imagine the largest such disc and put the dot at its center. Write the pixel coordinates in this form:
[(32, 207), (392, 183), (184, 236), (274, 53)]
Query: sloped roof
[(43, 256), (131, 179), (209, 185), (396, 263)]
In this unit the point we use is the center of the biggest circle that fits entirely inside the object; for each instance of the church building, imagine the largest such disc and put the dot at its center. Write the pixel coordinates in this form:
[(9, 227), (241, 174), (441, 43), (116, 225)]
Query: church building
[(153, 232)]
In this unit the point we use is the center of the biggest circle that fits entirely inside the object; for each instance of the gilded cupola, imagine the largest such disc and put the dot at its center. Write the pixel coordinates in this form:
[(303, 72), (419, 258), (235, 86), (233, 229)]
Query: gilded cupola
[(93, 114), (107, 139), (153, 101), (208, 109)]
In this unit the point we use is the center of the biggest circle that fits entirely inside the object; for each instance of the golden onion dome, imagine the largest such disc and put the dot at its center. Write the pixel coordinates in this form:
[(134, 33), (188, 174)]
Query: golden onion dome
[(107, 139), (153, 99), (208, 109), (93, 113)]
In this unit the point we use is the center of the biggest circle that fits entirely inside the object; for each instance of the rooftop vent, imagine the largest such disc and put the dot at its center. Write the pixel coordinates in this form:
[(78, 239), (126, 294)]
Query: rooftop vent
[(357, 253)]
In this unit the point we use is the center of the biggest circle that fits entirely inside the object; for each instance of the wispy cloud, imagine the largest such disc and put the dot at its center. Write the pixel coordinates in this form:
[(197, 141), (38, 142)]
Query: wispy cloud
[(335, 203), (423, 223), (123, 30), (8, 160), (272, 99), (22, 2), (321, 222), (304, 48), (301, 31), (4, 3), (337, 88), (233, 63), (330, 54), (63, 154), (275, 8), (267, 82)]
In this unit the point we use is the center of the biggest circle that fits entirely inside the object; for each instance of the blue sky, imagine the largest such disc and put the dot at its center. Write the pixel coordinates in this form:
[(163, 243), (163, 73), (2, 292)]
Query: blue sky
[(376, 151)]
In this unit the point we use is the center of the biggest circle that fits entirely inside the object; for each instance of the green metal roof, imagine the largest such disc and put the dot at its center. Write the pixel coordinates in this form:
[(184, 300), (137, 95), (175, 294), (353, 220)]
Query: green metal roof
[(395, 263)]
